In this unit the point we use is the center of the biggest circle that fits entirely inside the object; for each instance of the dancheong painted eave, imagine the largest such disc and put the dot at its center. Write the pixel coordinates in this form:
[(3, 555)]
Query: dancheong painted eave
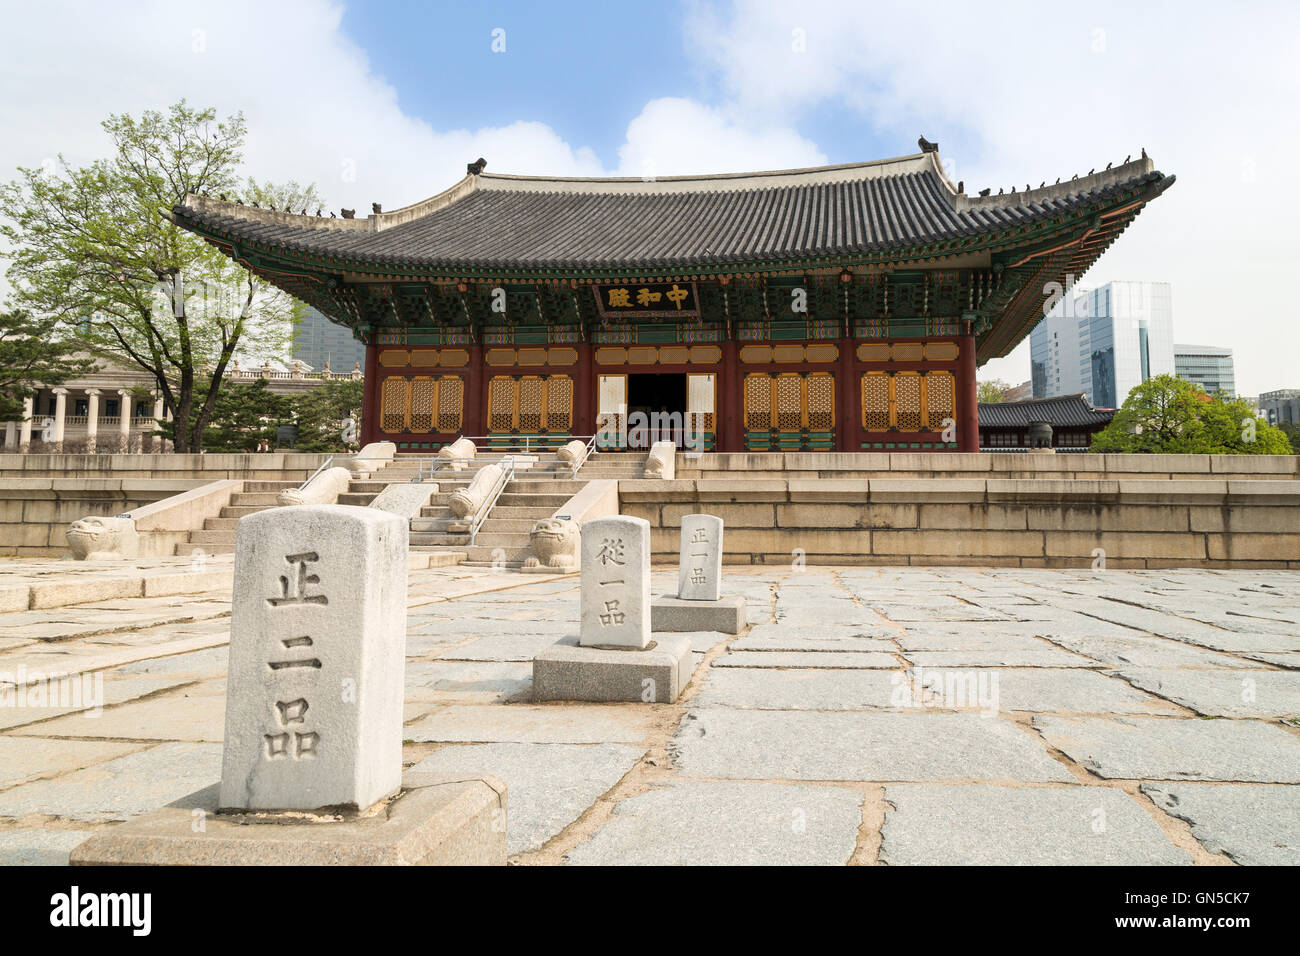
[(860, 220), (674, 224)]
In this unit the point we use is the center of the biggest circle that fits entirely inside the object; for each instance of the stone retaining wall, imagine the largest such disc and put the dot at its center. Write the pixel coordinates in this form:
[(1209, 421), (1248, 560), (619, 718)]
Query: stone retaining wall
[(1139, 523), (35, 512), (986, 465), (270, 466)]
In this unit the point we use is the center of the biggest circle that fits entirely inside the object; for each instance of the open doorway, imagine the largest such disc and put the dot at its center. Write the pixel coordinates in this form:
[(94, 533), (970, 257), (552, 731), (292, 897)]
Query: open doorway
[(656, 392), (661, 398)]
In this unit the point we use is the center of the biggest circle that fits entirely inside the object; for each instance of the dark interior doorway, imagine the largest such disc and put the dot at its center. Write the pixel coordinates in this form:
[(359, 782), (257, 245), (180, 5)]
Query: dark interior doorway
[(658, 393)]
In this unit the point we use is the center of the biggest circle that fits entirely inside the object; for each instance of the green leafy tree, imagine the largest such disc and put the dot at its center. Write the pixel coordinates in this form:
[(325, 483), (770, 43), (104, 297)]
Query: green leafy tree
[(35, 353), (1292, 432), (92, 246), (994, 390), (322, 413), (1167, 414), (244, 416)]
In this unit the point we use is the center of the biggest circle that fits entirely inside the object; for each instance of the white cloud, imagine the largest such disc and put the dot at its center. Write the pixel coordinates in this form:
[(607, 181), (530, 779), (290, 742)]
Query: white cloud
[(315, 109), (673, 136), (1014, 93), (1018, 93)]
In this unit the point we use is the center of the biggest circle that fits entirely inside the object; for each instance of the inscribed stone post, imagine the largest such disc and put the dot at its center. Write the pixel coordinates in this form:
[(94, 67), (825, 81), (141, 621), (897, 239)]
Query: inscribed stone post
[(700, 574), (317, 651), (615, 605)]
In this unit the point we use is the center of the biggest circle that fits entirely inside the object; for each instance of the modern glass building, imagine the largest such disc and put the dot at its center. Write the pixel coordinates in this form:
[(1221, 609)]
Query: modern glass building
[(1281, 406), (1103, 342), (317, 340), (1207, 366)]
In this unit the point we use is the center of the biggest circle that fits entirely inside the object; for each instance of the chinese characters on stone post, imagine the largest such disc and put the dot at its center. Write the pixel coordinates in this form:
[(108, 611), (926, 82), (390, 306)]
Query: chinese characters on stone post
[(700, 571), (318, 634), (616, 582), (289, 735)]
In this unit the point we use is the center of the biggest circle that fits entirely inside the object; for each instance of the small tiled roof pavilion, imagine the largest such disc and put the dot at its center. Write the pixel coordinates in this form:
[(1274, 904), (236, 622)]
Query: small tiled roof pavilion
[(841, 307)]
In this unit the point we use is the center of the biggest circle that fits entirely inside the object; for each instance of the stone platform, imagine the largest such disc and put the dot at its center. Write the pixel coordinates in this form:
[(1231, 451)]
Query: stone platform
[(434, 821), (867, 715), (670, 613)]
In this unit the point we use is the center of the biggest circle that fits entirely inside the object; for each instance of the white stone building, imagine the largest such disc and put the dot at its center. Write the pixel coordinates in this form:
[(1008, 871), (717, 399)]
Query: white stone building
[(115, 408)]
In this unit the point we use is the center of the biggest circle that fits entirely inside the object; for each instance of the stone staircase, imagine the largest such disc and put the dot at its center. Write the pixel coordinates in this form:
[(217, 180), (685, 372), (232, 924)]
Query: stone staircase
[(218, 534), (536, 492), (614, 464)]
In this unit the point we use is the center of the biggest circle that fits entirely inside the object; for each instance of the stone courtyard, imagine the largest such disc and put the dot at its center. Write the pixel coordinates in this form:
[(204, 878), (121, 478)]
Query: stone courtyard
[(865, 716)]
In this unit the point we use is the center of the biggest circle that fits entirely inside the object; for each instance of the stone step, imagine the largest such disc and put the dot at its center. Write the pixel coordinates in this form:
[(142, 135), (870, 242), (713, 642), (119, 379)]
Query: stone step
[(238, 511), (361, 500), (428, 539), (220, 524), (481, 553), (509, 499), (271, 486), (442, 559), (206, 538), (553, 487), (434, 525), (262, 499), (507, 540), (185, 549), (496, 524), (519, 511)]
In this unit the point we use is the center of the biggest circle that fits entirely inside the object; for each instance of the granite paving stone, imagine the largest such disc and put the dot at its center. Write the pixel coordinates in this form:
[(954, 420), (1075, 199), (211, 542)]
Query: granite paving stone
[(532, 723), (912, 746), (1253, 824), (1235, 693), (799, 689), (26, 846), (979, 825), (728, 824), (834, 659), (1172, 748), (120, 788), (548, 785)]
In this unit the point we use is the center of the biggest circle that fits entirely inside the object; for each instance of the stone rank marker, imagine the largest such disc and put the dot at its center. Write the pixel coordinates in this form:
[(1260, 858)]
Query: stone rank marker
[(314, 697), (615, 582), (317, 657), (612, 657), (699, 604), (700, 576)]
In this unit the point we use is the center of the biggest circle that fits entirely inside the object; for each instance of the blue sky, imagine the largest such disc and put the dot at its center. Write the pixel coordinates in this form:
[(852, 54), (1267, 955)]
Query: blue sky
[(386, 102), (584, 73)]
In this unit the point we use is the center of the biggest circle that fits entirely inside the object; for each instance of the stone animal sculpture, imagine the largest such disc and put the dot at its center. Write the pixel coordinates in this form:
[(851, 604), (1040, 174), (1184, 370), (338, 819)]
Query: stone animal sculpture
[(554, 546), (466, 502), (661, 461), (99, 538), (458, 453), (324, 489)]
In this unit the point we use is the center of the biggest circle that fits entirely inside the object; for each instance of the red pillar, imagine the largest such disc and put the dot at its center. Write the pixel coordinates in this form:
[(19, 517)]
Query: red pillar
[(846, 400), (968, 421), (731, 401), (475, 420), (370, 397), (584, 401)]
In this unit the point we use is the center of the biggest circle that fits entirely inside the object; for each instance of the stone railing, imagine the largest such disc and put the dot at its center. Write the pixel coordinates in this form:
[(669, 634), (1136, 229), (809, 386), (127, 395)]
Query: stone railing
[(238, 374)]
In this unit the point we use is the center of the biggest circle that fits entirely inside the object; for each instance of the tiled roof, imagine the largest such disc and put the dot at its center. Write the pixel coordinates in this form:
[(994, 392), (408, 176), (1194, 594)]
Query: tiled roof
[(1061, 411), (498, 221)]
